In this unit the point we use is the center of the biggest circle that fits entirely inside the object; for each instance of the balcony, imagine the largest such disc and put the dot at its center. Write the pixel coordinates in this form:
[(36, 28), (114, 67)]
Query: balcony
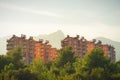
[(9, 47)]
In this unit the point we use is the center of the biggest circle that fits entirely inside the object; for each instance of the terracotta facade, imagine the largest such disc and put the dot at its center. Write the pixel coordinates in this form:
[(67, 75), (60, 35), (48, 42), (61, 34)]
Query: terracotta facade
[(44, 51), (82, 46), (32, 49)]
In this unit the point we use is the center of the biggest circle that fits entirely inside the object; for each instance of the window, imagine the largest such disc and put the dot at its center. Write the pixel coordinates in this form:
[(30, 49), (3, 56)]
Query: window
[(24, 46), (9, 47), (75, 42), (31, 51), (47, 55), (23, 58), (70, 42), (75, 46)]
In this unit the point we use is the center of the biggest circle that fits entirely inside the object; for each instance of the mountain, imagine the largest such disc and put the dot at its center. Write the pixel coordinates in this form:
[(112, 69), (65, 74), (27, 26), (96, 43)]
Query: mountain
[(113, 43), (54, 38)]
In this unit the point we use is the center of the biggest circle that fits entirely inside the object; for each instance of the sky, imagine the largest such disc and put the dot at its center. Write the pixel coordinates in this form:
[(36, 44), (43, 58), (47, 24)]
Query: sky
[(89, 18)]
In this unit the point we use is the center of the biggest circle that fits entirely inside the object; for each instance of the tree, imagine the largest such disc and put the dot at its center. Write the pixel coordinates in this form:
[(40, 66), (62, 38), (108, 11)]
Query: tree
[(65, 55), (94, 66), (115, 76), (24, 74), (4, 60), (78, 65), (16, 56), (67, 69), (9, 67), (96, 59), (39, 68), (114, 69), (21, 74), (97, 74)]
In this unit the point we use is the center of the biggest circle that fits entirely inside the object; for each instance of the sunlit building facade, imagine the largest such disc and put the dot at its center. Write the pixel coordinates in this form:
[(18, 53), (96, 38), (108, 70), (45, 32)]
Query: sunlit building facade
[(44, 51), (32, 49), (82, 46)]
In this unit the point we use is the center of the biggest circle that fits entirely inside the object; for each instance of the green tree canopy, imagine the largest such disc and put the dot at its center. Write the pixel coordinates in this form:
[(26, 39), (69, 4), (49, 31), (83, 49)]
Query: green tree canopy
[(40, 69), (4, 60), (16, 57), (65, 55), (15, 54), (9, 67), (96, 59)]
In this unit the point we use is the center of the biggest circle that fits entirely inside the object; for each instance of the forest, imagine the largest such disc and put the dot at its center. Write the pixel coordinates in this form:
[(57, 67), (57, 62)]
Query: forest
[(67, 66)]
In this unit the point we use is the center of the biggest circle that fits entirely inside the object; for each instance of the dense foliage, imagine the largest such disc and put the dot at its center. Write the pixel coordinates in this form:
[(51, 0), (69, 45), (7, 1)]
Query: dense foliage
[(94, 66)]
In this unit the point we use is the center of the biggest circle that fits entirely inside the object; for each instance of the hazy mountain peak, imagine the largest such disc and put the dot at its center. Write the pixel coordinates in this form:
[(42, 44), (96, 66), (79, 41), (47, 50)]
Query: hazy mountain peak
[(54, 38), (103, 38), (59, 32)]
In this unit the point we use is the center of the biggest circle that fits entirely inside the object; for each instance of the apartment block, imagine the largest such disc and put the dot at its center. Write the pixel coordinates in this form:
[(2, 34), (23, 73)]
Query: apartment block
[(82, 46), (44, 51), (32, 49)]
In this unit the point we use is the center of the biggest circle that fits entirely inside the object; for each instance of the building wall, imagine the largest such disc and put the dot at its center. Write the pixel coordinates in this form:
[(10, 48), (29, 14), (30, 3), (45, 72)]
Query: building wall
[(53, 54), (82, 46), (32, 49), (106, 50), (45, 52), (79, 45), (90, 46)]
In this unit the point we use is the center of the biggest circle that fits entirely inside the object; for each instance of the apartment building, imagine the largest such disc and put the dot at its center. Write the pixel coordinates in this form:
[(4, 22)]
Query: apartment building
[(32, 49), (82, 46), (44, 51)]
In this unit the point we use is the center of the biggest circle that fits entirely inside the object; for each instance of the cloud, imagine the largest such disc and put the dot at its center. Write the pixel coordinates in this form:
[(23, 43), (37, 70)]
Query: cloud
[(23, 9)]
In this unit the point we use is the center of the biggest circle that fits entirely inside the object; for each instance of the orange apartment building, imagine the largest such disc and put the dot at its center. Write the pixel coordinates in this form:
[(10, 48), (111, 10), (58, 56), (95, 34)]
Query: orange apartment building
[(44, 51), (82, 46), (32, 49)]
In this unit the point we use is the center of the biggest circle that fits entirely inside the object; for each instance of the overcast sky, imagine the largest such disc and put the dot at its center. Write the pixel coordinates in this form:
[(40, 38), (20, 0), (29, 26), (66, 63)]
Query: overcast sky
[(89, 18)]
